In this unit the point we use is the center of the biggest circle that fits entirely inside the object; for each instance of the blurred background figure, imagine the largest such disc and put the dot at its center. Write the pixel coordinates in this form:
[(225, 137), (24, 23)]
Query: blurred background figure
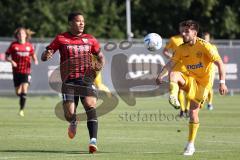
[(19, 54), (207, 37)]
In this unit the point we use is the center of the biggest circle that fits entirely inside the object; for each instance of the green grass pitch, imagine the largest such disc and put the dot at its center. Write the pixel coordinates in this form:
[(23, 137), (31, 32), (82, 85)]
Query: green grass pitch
[(148, 130)]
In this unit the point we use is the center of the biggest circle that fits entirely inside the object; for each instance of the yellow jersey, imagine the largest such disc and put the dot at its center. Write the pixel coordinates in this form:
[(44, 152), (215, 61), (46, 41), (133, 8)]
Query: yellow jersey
[(198, 60), (174, 42)]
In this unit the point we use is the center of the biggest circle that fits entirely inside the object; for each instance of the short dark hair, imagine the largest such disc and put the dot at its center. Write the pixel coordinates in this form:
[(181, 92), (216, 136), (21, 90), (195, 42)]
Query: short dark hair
[(73, 14), (190, 23)]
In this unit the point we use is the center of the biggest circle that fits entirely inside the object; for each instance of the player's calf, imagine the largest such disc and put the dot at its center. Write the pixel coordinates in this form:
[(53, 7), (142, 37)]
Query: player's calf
[(92, 124)]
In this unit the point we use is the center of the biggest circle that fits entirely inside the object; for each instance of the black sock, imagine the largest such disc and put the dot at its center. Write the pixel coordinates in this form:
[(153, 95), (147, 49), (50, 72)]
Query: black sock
[(73, 120), (92, 122), (22, 100)]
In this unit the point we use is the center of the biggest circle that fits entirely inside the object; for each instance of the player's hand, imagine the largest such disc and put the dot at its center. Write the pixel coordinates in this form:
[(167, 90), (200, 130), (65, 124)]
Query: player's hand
[(222, 89), (14, 64), (97, 66), (159, 80), (36, 62), (47, 55)]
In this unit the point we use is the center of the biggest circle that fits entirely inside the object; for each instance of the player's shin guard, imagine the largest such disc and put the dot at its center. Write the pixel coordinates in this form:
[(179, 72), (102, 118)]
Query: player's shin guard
[(210, 96), (174, 88), (92, 122), (193, 128), (181, 99), (187, 104), (22, 100)]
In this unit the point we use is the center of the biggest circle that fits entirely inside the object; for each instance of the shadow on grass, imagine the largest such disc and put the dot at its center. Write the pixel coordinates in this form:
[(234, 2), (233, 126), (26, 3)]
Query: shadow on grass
[(79, 152), (44, 151)]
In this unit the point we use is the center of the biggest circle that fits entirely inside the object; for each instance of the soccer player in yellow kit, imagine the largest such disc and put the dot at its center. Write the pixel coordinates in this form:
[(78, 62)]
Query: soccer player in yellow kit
[(98, 82), (197, 56), (206, 37), (168, 51)]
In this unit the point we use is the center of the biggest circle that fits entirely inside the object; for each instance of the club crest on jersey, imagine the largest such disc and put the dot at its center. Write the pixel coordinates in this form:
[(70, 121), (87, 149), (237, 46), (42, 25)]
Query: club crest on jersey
[(85, 40), (199, 54), (27, 48)]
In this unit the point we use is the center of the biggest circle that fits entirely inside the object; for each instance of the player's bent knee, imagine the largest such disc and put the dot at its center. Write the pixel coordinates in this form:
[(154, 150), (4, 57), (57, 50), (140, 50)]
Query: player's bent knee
[(69, 116), (68, 107), (90, 101), (193, 115), (175, 76)]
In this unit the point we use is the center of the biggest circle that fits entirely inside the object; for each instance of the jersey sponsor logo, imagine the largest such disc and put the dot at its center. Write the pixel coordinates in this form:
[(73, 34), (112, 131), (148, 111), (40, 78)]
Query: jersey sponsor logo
[(80, 48), (195, 66), (23, 54)]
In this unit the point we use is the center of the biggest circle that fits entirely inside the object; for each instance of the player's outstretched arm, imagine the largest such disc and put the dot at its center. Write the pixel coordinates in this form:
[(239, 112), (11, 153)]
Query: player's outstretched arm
[(222, 86), (46, 55)]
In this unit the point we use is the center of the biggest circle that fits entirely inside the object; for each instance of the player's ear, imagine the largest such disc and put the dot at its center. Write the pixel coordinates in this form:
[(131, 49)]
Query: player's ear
[(195, 33)]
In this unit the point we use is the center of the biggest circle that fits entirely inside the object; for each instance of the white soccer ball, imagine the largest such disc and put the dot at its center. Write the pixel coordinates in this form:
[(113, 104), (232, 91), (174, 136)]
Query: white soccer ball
[(153, 41)]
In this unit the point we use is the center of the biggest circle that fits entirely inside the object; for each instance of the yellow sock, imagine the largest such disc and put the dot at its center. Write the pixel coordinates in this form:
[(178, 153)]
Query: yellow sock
[(174, 88), (181, 99), (210, 96), (187, 103), (193, 128)]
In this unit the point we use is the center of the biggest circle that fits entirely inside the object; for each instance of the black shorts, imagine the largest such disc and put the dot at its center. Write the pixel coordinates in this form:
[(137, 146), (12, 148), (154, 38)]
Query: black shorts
[(75, 88), (19, 78)]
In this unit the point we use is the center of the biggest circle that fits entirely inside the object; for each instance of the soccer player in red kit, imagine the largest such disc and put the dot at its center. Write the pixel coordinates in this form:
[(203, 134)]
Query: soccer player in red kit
[(78, 72), (19, 54)]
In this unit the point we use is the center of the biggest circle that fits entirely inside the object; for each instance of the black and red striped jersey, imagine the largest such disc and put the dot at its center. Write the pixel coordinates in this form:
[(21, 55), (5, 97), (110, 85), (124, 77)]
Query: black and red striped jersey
[(76, 54), (21, 54)]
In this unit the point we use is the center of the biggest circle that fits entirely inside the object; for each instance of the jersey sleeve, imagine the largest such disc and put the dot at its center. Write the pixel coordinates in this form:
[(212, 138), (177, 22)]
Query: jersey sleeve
[(177, 55), (212, 52), (54, 45), (9, 51), (31, 50), (169, 44), (96, 48)]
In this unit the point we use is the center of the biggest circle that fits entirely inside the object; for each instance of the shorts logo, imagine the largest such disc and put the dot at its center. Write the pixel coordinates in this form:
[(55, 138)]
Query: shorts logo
[(195, 66)]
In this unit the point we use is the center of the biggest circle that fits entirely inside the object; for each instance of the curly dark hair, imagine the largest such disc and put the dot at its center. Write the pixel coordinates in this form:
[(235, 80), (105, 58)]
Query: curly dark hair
[(190, 23)]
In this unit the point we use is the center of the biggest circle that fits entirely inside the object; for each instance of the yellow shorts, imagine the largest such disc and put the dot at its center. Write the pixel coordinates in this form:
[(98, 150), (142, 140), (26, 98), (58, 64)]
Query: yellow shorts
[(194, 90)]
